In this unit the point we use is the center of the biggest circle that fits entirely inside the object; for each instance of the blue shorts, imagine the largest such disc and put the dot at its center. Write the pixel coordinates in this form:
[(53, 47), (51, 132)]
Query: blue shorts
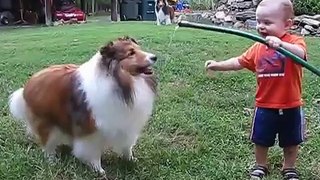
[(287, 123)]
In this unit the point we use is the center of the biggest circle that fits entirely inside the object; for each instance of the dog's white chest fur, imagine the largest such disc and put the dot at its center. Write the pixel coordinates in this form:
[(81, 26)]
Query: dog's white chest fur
[(162, 18)]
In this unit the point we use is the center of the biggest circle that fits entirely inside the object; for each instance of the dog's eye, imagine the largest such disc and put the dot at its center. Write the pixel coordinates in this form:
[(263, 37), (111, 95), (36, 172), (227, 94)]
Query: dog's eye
[(131, 53)]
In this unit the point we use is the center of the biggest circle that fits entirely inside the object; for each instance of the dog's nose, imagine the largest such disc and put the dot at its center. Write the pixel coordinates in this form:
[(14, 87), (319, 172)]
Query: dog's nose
[(153, 58)]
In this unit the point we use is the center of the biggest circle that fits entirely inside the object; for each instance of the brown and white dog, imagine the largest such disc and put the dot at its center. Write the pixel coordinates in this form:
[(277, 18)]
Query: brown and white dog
[(104, 102), (164, 12)]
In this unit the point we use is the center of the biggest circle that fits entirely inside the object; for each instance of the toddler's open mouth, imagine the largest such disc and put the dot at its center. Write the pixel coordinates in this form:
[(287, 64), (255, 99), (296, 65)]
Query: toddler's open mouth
[(263, 34)]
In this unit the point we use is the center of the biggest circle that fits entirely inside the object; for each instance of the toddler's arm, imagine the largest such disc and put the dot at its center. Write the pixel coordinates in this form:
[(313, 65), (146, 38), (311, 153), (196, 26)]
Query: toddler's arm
[(275, 42), (227, 65), (295, 49)]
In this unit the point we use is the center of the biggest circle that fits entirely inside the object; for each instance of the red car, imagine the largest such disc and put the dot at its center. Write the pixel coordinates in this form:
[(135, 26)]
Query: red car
[(68, 11)]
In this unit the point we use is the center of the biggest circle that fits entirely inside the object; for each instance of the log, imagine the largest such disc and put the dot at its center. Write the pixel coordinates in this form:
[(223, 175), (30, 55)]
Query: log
[(306, 21), (243, 16), (310, 29), (315, 17), (311, 22)]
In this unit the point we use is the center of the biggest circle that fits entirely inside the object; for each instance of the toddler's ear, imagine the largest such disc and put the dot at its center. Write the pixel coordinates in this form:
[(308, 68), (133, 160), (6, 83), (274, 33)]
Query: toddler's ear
[(288, 23)]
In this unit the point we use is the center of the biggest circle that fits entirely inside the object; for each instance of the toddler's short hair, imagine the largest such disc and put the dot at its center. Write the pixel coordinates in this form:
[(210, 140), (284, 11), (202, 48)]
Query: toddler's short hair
[(285, 5)]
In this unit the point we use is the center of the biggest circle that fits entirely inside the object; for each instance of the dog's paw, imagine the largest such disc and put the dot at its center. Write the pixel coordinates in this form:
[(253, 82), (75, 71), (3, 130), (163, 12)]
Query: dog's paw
[(128, 156), (98, 169), (132, 159)]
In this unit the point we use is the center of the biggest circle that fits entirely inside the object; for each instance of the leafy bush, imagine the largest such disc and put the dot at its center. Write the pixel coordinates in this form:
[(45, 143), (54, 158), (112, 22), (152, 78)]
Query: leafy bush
[(310, 7)]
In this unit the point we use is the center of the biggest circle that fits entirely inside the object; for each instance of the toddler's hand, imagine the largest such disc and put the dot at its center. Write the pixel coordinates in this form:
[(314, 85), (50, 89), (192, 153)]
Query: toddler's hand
[(211, 65), (273, 42)]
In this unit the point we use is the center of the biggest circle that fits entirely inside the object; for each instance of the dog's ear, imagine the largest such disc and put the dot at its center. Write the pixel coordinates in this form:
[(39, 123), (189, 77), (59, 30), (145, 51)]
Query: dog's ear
[(128, 38), (107, 52), (133, 40)]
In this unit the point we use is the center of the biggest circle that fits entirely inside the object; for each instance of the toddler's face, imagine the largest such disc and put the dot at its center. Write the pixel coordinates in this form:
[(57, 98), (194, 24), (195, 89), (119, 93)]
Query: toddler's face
[(270, 21)]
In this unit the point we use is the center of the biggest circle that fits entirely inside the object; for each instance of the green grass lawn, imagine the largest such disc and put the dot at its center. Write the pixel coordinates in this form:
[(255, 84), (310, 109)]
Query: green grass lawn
[(198, 130)]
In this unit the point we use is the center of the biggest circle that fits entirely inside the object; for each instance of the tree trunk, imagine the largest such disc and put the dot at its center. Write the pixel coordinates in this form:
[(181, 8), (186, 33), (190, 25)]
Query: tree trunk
[(82, 4), (93, 5), (212, 5), (114, 10), (48, 12)]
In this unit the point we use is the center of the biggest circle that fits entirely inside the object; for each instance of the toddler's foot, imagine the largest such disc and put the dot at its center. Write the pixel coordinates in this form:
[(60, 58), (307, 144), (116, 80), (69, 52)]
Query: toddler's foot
[(258, 172), (290, 174)]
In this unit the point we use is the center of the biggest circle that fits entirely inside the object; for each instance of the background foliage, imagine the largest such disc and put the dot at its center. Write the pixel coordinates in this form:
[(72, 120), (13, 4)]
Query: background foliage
[(311, 7)]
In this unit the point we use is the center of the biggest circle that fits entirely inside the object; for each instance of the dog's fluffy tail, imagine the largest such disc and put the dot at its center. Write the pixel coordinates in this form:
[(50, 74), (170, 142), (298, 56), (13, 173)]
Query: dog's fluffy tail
[(18, 105)]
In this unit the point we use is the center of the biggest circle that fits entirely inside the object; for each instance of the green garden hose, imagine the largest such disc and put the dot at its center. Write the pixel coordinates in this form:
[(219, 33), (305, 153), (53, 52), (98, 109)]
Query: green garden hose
[(252, 37)]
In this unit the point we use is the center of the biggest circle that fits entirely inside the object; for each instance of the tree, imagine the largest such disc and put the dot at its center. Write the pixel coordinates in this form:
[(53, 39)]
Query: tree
[(114, 10)]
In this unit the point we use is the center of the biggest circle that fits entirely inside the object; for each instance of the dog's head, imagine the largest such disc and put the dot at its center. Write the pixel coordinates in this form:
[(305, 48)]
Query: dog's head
[(161, 3), (126, 55), (123, 59)]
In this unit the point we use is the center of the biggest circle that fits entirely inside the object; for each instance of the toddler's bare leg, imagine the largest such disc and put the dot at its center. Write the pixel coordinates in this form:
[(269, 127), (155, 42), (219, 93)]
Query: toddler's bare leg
[(290, 156), (261, 154)]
